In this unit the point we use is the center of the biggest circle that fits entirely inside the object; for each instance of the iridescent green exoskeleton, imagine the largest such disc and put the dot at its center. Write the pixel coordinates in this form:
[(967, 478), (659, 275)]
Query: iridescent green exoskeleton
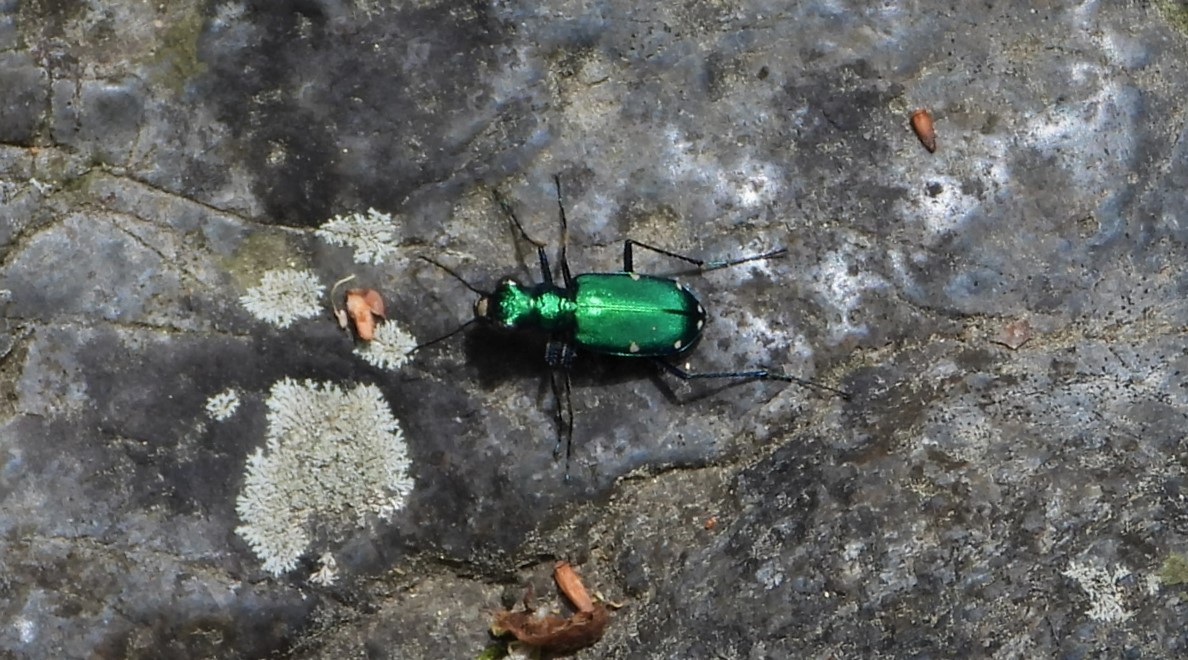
[(625, 314)]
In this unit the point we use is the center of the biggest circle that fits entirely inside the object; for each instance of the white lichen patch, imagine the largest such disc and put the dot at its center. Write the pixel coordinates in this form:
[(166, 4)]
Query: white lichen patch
[(371, 235), (327, 573), (284, 296), (222, 405), (390, 349), (331, 458), (1102, 586)]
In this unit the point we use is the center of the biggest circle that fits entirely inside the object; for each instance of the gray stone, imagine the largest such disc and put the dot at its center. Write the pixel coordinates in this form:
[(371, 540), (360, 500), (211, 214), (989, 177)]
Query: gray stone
[(24, 92), (974, 495)]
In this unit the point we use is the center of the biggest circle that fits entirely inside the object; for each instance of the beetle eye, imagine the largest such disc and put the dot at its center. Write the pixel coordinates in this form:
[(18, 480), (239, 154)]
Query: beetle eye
[(481, 307)]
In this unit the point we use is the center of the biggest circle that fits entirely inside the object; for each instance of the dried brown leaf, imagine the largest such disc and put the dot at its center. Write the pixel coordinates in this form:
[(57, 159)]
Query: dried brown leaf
[(552, 632), (571, 585), (922, 125), (362, 306), (1014, 334)]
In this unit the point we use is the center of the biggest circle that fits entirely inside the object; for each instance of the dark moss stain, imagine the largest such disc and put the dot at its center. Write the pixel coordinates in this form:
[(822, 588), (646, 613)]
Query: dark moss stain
[(977, 359), (52, 16), (259, 253), (1175, 12), (881, 420), (844, 124), (208, 630), (177, 57), (11, 368), (149, 409), (1174, 570), (332, 114)]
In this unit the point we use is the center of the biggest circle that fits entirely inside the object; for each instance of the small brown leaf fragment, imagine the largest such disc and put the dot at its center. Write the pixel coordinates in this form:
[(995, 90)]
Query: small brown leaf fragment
[(554, 633), (711, 522), (571, 585), (374, 301), (1014, 334), (922, 125), (364, 306)]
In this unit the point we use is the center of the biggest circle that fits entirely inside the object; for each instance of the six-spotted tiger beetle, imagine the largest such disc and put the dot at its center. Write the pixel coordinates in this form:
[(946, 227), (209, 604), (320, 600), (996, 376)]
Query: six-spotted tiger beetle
[(625, 314)]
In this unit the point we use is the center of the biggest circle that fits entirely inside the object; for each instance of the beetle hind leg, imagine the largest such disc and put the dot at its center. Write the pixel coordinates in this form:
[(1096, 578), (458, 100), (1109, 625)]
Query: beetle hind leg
[(751, 374), (702, 265), (560, 356)]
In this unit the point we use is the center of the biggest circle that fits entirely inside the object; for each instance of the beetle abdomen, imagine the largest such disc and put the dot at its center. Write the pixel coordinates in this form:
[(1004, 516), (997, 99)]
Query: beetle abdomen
[(635, 315)]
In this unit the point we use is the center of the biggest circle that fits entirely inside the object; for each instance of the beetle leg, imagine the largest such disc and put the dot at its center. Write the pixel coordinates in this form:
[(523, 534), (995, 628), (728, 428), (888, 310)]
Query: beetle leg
[(702, 265), (563, 414), (756, 374), (546, 273), (564, 236), (559, 356), (628, 260)]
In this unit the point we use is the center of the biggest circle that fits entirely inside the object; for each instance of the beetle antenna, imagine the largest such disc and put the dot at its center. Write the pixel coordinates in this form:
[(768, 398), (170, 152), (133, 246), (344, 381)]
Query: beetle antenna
[(456, 276), (715, 265), (810, 384), (444, 337)]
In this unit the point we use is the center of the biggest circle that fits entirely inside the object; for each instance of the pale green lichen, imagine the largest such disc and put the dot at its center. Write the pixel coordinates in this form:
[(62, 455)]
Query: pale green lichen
[(1174, 570), (390, 349), (371, 235), (327, 573), (330, 454), (1106, 596), (284, 296), (222, 405), (1175, 12)]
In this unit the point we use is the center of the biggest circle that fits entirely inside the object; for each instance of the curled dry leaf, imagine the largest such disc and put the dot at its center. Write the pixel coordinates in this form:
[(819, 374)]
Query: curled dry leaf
[(922, 125), (1014, 334), (554, 633), (340, 314), (571, 585), (364, 306)]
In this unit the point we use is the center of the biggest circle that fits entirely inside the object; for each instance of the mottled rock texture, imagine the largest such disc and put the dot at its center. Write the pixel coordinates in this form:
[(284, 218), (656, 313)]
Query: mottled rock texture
[(978, 495)]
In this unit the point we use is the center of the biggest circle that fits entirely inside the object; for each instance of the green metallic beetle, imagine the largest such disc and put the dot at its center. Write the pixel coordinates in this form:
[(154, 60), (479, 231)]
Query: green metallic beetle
[(625, 314)]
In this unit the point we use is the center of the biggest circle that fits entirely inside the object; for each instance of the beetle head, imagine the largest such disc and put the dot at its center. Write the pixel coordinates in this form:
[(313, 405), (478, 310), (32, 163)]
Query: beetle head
[(503, 307)]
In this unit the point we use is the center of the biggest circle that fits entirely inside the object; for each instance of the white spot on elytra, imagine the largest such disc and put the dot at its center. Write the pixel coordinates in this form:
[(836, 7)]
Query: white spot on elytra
[(633, 347)]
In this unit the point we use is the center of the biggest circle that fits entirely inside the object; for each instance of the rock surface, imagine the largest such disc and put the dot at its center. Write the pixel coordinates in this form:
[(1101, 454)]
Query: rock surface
[(1006, 480)]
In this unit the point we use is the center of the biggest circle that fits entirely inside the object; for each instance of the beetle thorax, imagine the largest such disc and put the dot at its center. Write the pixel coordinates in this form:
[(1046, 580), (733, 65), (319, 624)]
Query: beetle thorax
[(513, 305)]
